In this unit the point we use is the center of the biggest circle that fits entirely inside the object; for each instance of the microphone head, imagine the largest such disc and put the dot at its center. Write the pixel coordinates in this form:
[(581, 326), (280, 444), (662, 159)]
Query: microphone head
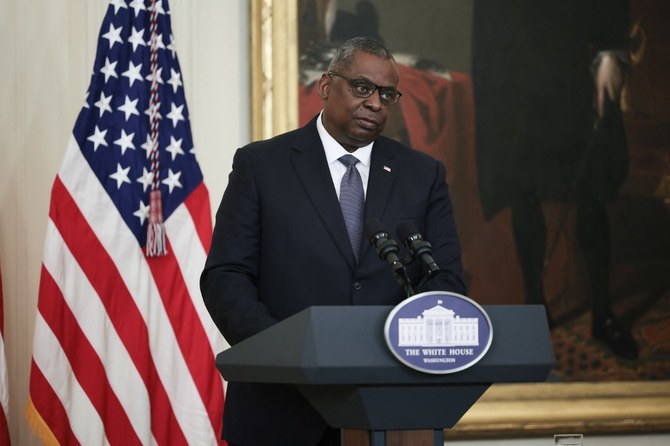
[(408, 230), (373, 228)]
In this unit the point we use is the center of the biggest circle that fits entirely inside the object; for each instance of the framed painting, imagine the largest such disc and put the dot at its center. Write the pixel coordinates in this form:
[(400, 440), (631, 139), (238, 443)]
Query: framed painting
[(438, 48)]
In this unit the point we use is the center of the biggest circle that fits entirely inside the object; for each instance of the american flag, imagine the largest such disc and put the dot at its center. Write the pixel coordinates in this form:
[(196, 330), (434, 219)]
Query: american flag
[(4, 389), (124, 348)]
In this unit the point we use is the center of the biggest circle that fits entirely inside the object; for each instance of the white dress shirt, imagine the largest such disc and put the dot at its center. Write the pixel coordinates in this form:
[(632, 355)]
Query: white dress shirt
[(334, 151)]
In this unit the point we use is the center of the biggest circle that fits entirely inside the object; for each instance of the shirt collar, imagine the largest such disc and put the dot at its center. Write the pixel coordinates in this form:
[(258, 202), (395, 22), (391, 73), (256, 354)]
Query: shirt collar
[(334, 149)]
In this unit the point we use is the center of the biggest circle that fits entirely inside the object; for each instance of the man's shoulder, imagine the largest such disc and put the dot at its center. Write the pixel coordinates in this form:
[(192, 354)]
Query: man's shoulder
[(284, 141), (399, 149)]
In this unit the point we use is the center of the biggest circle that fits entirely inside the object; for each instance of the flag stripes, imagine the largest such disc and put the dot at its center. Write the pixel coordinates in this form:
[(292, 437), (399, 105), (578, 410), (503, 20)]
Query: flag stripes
[(47, 414), (4, 381), (105, 270), (115, 308)]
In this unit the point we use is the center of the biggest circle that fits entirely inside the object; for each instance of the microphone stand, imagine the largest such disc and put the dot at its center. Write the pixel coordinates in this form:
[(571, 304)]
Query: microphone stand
[(386, 247), (403, 281), (433, 271)]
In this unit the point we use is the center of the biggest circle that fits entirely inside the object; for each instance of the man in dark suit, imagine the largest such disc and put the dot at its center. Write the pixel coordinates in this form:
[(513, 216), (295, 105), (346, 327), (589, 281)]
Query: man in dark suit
[(550, 131), (281, 243)]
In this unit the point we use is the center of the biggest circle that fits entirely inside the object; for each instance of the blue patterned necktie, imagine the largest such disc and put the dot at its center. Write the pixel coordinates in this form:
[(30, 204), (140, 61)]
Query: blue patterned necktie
[(352, 201)]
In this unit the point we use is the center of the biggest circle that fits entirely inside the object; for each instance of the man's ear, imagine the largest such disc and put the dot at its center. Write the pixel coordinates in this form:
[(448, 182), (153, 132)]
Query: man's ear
[(323, 86)]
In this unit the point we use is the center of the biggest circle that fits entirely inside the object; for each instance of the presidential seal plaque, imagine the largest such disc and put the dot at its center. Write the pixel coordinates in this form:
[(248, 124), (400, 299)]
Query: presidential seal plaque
[(438, 332)]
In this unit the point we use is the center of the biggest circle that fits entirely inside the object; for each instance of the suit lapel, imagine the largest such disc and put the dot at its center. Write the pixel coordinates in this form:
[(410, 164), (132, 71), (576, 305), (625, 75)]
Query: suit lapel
[(383, 170), (311, 167), (384, 167)]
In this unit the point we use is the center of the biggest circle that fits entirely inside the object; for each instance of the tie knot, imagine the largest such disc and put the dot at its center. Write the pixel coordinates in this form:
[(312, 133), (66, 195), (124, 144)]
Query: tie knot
[(348, 160)]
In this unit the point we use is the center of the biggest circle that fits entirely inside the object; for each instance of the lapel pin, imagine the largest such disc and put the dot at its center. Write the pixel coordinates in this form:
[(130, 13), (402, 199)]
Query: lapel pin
[(387, 168)]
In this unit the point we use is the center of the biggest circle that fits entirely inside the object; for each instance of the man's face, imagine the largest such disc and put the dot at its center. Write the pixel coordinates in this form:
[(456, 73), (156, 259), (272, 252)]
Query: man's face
[(355, 122)]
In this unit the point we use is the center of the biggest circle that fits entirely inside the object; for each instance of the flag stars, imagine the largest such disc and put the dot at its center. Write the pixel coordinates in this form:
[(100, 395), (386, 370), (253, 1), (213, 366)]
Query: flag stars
[(175, 147), (129, 108), (172, 180), (138, 5), (125, 142), (142, 213), (129, 103), (109, 70), (175, 80), (121, 175), (118, 4), (157, 108), (159, 42), (171, 47), (113, 35), (133, 73), (147, 146), (159, 7), (176, 114), (98, 138), (136, 38), (159, 77), (146, 179), (103, 103)]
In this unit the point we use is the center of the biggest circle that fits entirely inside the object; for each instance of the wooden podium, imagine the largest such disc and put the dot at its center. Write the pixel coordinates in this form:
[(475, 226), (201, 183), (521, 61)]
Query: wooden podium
[(338, 359)]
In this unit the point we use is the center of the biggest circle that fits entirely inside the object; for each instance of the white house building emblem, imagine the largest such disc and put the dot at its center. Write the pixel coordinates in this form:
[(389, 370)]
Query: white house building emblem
[(438, 332)]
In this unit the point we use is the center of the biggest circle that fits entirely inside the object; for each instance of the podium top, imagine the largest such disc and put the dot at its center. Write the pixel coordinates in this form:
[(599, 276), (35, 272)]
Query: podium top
[(331, 345)]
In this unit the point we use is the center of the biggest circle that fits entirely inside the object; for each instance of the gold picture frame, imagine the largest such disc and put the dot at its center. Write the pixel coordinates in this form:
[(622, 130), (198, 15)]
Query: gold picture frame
[(274, 67), (505, 409)]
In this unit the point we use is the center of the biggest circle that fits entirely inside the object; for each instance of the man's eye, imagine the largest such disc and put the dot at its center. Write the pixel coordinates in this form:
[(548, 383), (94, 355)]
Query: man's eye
[(387, 95), (363, 88)]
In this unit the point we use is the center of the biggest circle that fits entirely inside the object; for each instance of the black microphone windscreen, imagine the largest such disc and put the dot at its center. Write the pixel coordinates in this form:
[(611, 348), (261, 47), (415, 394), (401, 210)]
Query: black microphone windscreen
[(406, 230), (373, 227)]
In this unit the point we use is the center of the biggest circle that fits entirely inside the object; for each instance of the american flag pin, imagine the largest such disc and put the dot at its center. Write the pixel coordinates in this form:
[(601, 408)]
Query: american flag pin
[(387, 168)]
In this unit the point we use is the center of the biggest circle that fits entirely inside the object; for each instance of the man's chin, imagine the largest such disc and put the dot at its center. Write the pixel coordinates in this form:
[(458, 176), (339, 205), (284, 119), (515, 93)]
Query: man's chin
[(362, 139)]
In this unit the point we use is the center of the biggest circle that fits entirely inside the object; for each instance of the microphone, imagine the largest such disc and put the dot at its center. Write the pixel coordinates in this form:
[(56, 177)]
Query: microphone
[(421, 250), (387, 249)]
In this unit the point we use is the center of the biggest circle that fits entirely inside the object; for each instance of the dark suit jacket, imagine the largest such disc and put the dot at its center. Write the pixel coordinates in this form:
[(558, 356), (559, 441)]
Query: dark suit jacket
[(533, 95), (280, 245)]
